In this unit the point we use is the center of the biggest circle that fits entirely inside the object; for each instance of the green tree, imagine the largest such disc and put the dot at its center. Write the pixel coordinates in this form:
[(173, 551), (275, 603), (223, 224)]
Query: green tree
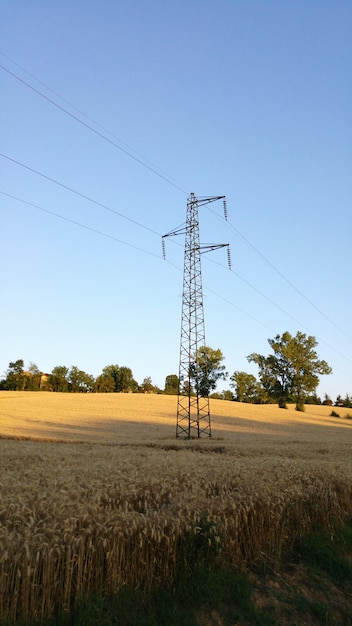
[(123, 378), (79, 381), (292, 371), (58, 378), (15, 379), (247, 388), (171, 384), (207, 369), (105, 383)]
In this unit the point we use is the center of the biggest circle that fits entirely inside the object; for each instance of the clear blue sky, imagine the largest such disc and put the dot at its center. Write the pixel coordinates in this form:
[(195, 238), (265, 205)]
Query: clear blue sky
[(244, 98)]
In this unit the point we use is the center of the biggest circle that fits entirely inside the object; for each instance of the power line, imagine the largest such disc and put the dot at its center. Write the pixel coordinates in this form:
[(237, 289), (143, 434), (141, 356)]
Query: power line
[(235, 306), (98, 133), (152, 167), (164, 176), (136, 223), (78, 193), (84, 196), (280, 309), (71, 221), (158, 234), (120, 241), (98, 232), (253, 247), (120, 141), (288, 281), (244, 280), (265, 325)]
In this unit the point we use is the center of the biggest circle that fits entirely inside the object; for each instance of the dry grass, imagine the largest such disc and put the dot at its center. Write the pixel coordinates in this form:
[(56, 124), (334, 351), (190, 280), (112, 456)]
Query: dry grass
[(114, 418), (118, 508)]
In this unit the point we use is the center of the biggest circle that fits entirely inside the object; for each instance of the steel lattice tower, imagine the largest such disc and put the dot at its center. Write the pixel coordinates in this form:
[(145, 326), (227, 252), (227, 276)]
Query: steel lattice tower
[(193, 410)]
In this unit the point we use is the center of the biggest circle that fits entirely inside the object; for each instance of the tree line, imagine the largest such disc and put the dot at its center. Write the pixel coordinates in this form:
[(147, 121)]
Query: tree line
[(289, 374), (113, 378)]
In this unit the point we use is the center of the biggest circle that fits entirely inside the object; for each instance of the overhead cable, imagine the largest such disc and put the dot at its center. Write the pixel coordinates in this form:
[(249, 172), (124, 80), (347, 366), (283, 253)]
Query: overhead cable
[(164, 176), (71, 221), (280, 308), (97, 132), (253, 247), (78, 193), (152, 167), (118, 139), (98, 232)]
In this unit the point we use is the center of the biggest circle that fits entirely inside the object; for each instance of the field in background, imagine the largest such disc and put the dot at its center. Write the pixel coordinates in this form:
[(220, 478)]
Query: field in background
[(97, 493), (117, 418)]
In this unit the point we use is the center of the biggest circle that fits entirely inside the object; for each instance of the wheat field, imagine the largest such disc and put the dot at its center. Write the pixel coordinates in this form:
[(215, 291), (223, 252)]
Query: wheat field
[(96, 492), (117, 418)]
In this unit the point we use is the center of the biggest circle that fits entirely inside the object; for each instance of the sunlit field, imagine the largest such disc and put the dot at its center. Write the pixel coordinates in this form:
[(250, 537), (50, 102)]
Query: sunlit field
[(123, 418), (97, 493)]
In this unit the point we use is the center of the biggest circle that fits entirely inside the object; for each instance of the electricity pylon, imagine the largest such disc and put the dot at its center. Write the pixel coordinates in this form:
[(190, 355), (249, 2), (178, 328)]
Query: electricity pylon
[(193, 410)]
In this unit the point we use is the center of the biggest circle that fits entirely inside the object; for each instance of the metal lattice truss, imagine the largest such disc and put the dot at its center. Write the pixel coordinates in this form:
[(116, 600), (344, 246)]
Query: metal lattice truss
[(193, 411)]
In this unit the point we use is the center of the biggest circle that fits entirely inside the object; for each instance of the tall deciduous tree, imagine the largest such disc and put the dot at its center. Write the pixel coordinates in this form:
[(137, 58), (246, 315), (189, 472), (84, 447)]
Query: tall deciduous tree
[(292, 371), (207, 369), (122, 376)]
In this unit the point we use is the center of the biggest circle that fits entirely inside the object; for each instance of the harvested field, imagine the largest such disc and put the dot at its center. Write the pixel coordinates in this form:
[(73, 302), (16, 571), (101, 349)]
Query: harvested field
[(96, 492)]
